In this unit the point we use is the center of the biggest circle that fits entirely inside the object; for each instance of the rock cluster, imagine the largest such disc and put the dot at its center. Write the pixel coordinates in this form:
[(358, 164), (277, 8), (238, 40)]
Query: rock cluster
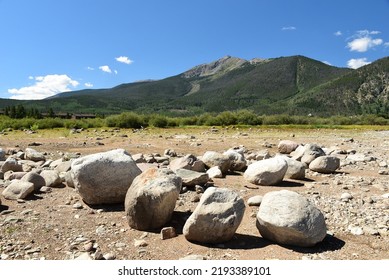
[(152, 186)]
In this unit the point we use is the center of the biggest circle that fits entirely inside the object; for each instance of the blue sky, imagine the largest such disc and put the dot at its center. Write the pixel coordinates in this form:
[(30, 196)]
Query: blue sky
[(48, 46)]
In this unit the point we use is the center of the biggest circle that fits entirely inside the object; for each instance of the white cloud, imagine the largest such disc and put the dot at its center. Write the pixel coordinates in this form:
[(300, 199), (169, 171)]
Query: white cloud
[(105, 68), (326, 62), (355, 63), (338, 33), (90, 68), (89, 85), (124, 59), (386, 45), (288, 28), (363, 44), (45, 86), (115, 71), (362, 41)]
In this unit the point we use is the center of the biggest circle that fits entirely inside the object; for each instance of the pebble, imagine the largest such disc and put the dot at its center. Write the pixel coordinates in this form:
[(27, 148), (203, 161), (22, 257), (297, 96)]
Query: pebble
[(346, 197), (109, 256), (355, 230), (255, 200), (168, 232), (140, 243), (77, 205)]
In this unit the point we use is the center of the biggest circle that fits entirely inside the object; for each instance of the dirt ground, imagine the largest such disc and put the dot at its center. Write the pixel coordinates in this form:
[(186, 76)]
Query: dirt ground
[(49, 226)]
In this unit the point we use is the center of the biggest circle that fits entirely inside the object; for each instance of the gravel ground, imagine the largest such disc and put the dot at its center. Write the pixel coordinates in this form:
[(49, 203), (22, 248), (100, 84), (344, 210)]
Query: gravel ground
[(58, 225)]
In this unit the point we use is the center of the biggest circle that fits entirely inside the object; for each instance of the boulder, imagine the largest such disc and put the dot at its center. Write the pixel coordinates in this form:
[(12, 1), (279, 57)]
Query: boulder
[(18, 189), (2, 154), (212, 159), (10, 175), (192, 178), (11, 164), (189, 162), (139, 158), (359, 157), (151, 198), (237, 160), (36, 179), (52, 178), (288, 218), (287, 146), (216, 217), (215, 172), (325, 164), (69, 180), (311, 151), (103, 178), (63, 166), (296, 169), (266, 172), (33, 155)]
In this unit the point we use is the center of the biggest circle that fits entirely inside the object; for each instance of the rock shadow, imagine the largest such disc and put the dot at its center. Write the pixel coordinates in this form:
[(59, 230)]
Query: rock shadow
[(34, 196), (290, 184), (178, 220), (3, 208), (246, 242), (330, 243), (114, 207), (238, 242)]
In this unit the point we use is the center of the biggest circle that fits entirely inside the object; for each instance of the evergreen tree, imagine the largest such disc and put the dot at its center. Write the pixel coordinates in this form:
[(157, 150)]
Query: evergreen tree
[(51, 113)]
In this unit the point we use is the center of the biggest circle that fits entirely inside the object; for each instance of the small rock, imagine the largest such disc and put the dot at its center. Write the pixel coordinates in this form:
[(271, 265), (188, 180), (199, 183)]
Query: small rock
[(140, 243), (168, 232), (346, 197), (255, 200), (109, 256), (355, 230), (77, 205), (215, 172)]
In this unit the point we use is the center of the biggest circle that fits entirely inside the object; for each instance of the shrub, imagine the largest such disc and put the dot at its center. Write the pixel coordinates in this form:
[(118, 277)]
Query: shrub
[(125, 120), (158, 121)]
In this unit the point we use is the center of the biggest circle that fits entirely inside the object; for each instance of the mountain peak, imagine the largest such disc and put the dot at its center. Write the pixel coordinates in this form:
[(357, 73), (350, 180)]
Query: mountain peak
[(220, 66)]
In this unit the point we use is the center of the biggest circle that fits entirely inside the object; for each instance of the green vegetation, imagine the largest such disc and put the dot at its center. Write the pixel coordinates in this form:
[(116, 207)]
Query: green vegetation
[(293, 86), (236, 118)]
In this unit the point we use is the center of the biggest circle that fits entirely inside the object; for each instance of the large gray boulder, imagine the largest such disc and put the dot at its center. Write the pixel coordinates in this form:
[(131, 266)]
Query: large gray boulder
[(296, 169), (189, 161), (192, 178), (11, 164), (151, 198), (325, 164), (18, 189), (34, 155), (309, 153), (287, 146), (104, 178), (266, 172), (216, 217), (36, 179), (211, 159), (52, 178), (237, 160), (288, 218)]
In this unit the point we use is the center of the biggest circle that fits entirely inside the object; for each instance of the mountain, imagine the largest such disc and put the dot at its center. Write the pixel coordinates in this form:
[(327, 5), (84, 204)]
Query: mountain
[(293, 85)]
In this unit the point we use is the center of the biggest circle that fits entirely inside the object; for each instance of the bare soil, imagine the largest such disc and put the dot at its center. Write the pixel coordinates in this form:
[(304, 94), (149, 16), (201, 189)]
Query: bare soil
[(48, 226)]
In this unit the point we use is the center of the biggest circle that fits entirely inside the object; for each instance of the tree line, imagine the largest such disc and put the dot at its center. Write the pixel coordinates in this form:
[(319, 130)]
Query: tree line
[(20, 112)]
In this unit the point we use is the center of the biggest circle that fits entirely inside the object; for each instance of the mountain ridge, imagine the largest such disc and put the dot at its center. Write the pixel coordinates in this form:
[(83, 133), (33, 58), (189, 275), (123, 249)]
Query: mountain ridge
[(291, 85)]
